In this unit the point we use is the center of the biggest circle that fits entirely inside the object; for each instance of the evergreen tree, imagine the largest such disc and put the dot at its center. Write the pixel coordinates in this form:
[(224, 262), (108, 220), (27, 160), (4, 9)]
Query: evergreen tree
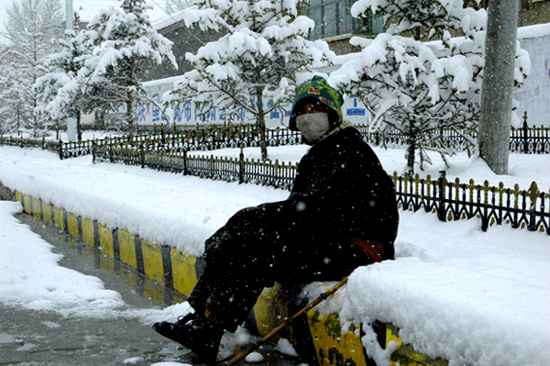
[(416, 78), (253, 69), (125, 41), (59, 94), (32, 26), (13, 113), (99, 68)]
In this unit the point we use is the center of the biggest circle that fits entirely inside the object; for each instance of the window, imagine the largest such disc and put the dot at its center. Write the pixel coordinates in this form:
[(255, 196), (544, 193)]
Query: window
[(333, 18)]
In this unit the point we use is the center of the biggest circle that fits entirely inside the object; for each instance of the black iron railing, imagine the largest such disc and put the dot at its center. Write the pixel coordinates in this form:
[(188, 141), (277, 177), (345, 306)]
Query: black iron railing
[(449, 200), (534, 140), (528, 140), (493, 205)]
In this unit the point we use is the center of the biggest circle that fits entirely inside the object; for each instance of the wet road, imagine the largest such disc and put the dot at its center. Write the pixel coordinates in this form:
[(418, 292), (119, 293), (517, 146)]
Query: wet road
[(38, 338)]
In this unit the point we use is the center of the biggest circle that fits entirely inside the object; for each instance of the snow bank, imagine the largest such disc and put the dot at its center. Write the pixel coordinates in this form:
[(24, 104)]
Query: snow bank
[(32, 278), (455, 292), (459, 293), (162, 208)]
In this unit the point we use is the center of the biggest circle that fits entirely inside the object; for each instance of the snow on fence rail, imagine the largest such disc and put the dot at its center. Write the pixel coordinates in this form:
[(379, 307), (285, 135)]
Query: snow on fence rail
[(449, 200)]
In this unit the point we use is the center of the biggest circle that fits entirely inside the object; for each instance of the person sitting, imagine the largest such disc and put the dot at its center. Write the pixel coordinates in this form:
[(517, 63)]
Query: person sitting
[(341, 213)]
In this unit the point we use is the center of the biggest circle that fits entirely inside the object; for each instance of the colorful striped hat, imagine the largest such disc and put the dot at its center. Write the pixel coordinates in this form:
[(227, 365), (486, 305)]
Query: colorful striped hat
[(317, 88)]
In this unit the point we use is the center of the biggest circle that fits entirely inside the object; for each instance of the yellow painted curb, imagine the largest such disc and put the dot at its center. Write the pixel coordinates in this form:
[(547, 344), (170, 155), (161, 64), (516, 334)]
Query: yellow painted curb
[(127, 246), (88, 232), (184, 272), (333, 347), (105, 237), (152, 261), (47, 213)]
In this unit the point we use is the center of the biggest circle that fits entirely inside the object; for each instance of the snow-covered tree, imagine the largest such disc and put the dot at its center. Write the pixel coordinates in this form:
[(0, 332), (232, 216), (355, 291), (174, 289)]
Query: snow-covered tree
[(31, 27), (252, 70), (59, 94), (99, 69), (15, 113), (416, 77)]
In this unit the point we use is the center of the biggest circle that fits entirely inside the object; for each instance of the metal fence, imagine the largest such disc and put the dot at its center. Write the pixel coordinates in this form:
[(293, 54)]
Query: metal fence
[(527, 140), (449, 200), (492, 205), (274, 174), (44, 144)]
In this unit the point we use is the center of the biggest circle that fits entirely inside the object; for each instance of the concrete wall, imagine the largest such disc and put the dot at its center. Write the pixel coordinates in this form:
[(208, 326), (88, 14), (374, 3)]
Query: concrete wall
[(534, 96)]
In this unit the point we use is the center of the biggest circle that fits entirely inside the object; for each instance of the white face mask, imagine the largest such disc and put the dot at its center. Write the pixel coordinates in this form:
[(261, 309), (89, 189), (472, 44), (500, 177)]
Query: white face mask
[(313, 126)]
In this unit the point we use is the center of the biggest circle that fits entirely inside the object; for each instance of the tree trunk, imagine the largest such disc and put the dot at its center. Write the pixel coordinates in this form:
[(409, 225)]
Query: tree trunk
[(78, 128), (498, 83), (411, 151), (260, 120), (130, 114)]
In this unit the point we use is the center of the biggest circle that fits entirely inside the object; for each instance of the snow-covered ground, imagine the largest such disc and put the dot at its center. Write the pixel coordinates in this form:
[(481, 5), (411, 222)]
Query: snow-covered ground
[(455, 292)]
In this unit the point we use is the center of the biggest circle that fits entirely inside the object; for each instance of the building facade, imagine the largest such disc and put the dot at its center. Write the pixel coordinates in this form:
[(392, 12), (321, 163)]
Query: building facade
[(335, 25)]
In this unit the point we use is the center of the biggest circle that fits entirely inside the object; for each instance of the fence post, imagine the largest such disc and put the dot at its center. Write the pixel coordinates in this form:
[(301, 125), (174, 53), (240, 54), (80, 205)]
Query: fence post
[(442, 184), (141, 156), (185, 172), (93, 151), (525, 132), (241, 165), (213, 132), (533, 196)]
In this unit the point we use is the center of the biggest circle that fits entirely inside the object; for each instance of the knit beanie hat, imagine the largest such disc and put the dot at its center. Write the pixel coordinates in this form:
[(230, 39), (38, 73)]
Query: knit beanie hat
[(318, 88)]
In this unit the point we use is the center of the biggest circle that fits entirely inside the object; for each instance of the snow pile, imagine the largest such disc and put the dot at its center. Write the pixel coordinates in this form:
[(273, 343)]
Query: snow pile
[(254, 357), (467, 296), (285, 347), (455, 292), (31, 277)]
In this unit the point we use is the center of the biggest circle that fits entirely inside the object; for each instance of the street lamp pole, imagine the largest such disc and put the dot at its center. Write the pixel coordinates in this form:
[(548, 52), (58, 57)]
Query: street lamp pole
[(72, 125), (69, 26)]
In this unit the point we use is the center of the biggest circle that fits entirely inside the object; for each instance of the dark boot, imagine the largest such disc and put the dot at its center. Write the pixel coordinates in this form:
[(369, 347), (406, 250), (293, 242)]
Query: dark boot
[(170, 330), (196, 333), (203, 337)]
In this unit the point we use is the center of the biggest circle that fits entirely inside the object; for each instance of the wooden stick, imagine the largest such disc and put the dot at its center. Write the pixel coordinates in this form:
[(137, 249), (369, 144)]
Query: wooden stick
[(254, 346)]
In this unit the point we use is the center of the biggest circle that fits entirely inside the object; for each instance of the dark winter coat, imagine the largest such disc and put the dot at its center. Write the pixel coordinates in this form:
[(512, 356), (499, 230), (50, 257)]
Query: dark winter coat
[(345, 192), (340, 192)]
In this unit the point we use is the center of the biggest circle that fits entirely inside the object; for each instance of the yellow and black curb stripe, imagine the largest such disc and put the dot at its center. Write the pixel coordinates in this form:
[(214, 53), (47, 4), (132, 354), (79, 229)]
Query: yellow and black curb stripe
[(319, 335), (175, 271)]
